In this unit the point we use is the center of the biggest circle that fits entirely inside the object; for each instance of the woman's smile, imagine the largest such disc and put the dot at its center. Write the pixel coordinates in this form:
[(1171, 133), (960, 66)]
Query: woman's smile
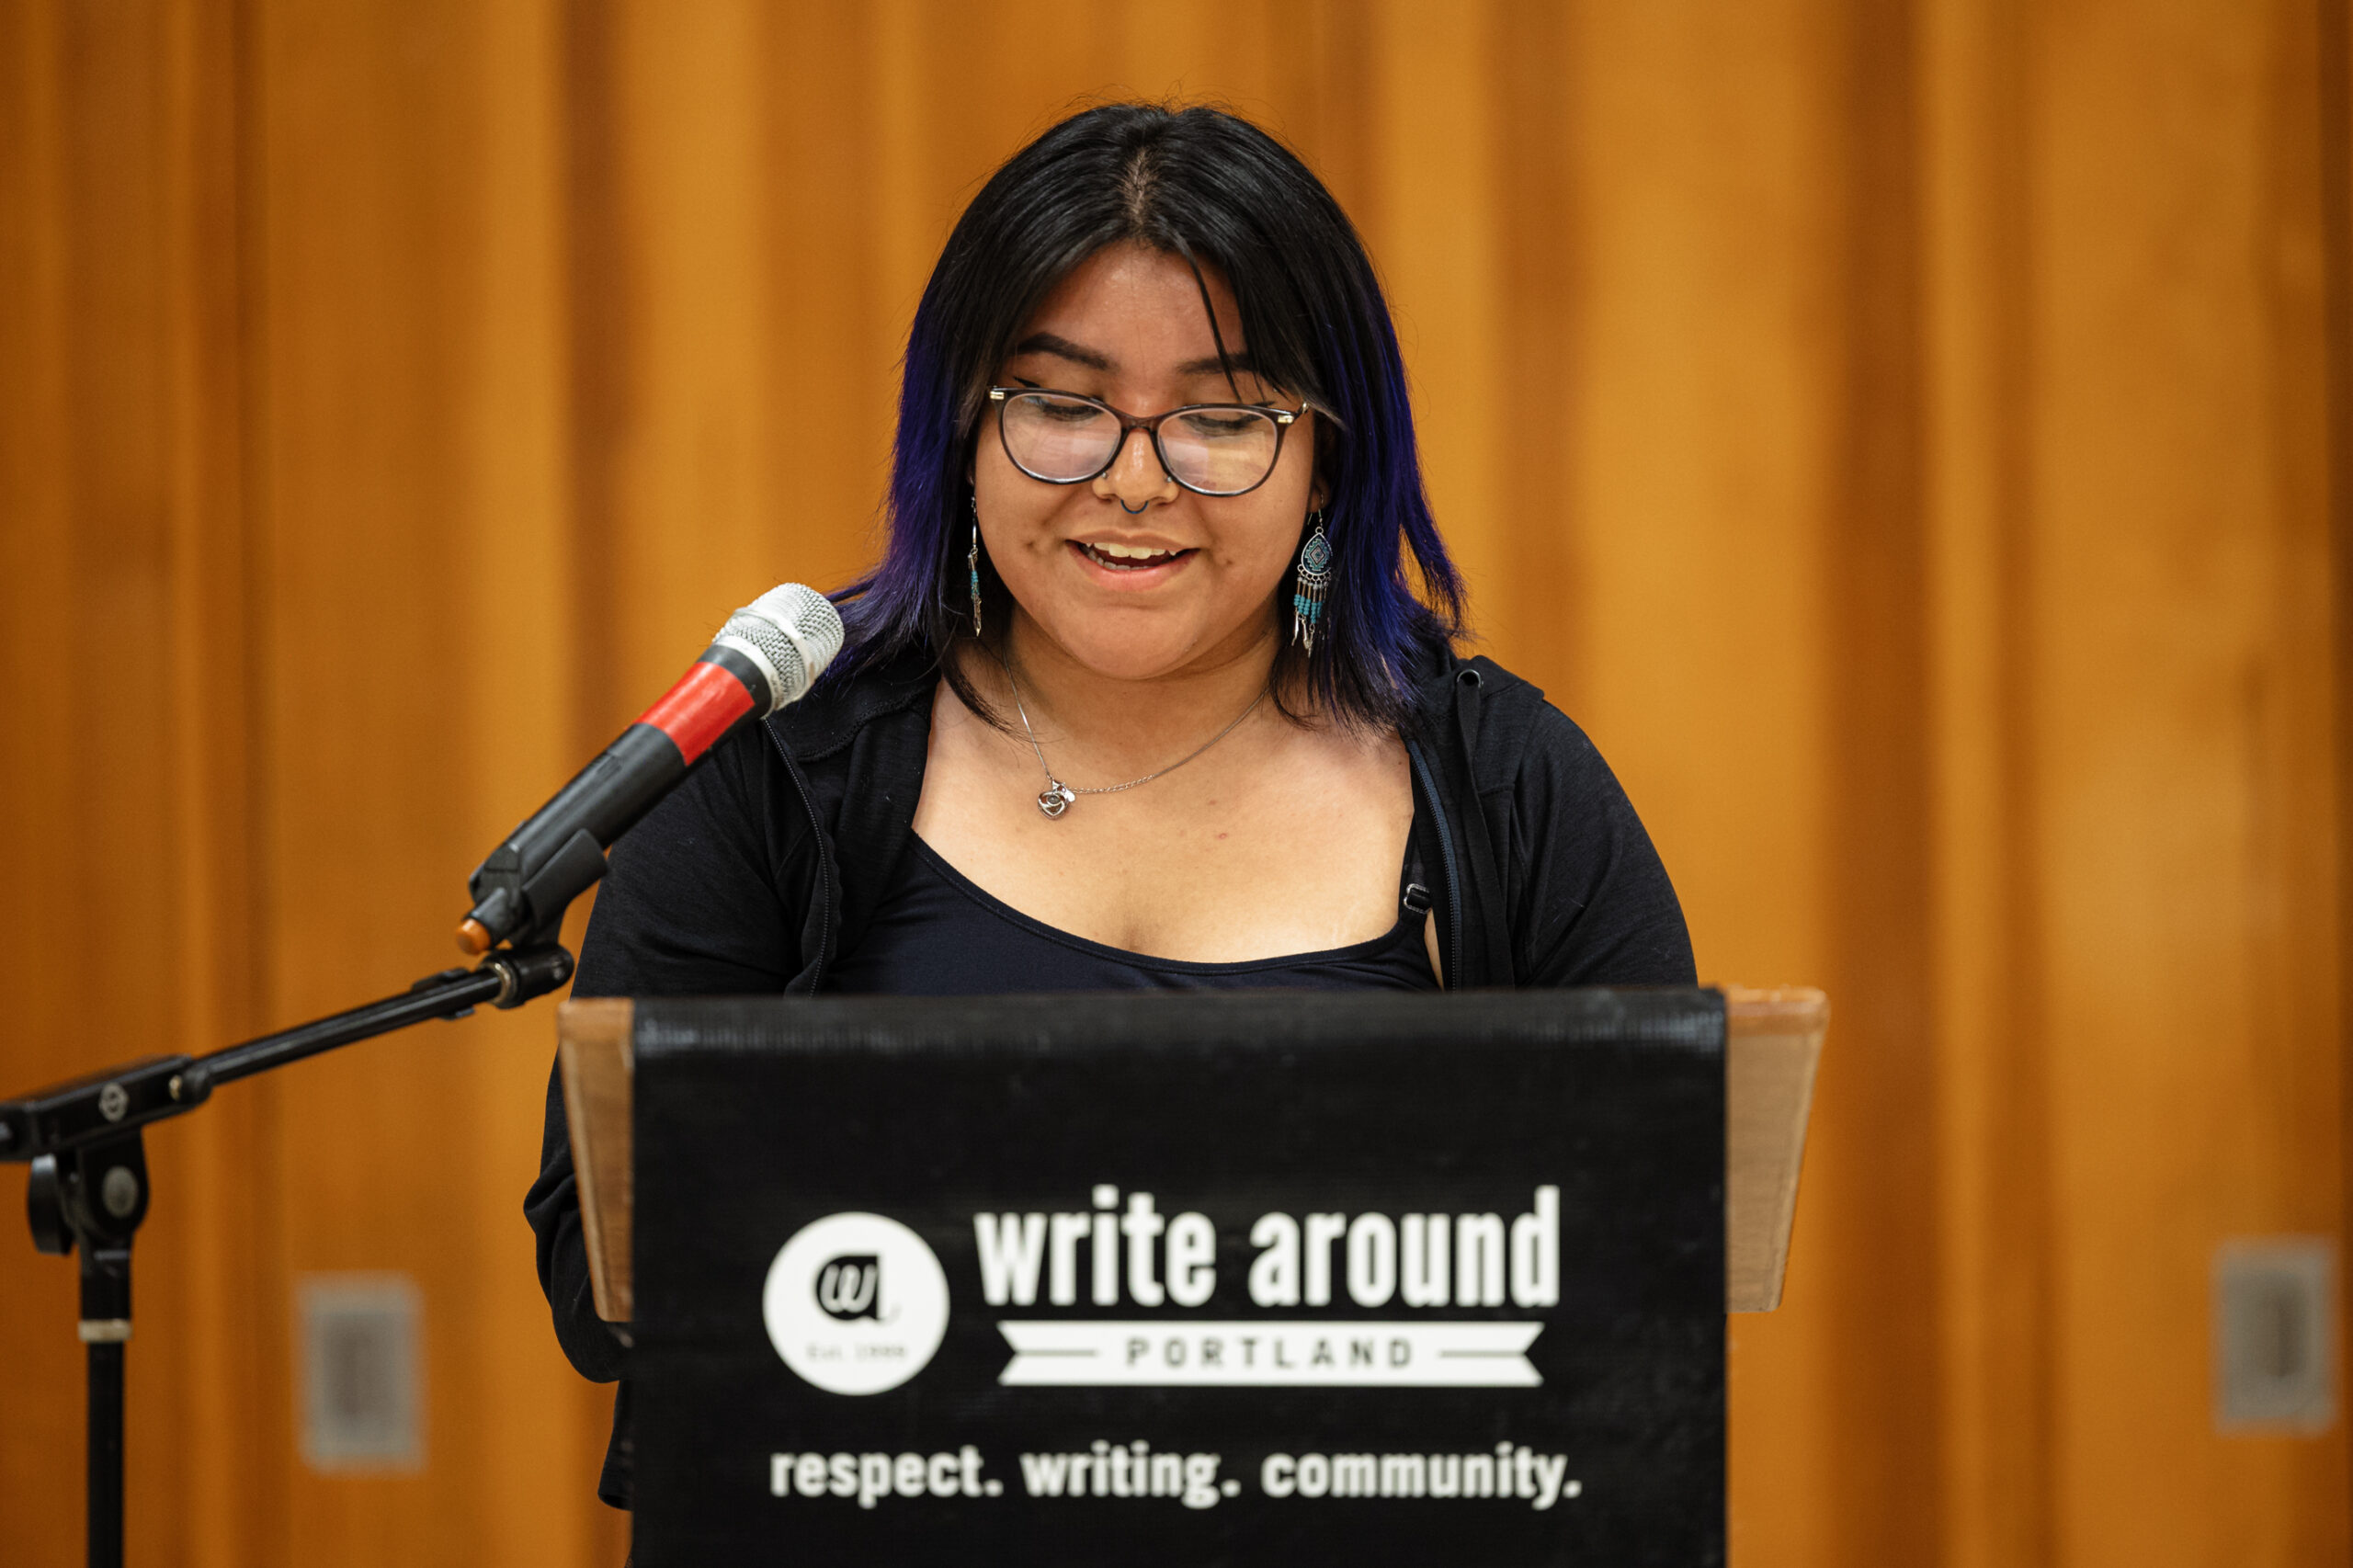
[(1130, 567)]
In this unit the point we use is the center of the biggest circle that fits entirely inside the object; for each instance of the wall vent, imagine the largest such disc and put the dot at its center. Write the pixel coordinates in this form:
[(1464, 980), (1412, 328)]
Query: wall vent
[(363, 1372), (2275, 1335)]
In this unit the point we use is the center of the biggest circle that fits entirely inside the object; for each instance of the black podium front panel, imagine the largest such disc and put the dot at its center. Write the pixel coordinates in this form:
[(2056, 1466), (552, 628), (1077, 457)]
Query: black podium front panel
[(1238, 1280)]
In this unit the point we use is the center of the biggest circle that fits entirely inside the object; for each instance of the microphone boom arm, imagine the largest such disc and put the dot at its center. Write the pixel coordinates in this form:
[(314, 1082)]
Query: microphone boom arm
[(102, 1106)]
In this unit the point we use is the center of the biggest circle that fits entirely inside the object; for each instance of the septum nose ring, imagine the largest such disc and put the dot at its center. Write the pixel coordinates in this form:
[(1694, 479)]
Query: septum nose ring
[(1131, 511)]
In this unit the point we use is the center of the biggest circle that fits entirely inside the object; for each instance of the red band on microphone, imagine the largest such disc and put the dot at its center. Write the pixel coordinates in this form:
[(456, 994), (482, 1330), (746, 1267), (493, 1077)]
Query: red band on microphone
[(699, 710)]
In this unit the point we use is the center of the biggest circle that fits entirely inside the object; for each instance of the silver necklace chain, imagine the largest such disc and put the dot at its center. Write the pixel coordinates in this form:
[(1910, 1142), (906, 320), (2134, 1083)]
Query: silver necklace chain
[(1056, 796)]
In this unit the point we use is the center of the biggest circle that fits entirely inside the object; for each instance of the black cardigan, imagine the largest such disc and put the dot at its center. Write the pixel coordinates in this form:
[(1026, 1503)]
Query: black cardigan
[(753, 876)]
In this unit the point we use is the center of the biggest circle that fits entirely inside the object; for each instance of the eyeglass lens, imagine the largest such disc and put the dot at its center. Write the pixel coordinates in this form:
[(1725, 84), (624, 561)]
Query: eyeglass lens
[(1221, 451)]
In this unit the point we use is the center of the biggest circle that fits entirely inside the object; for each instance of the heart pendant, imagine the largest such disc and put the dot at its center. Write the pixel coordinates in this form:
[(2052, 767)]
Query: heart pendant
[(1055, 798)]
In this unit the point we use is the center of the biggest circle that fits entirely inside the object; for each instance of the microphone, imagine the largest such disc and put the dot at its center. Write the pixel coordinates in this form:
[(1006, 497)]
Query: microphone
[(768, 654)]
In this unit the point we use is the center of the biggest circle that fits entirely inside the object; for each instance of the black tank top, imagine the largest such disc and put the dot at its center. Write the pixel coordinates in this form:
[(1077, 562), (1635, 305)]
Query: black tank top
[(938, 934)]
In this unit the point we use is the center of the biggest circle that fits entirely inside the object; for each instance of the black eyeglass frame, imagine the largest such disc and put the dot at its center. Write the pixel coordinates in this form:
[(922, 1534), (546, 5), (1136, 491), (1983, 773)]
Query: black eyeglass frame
[(1284, 419)]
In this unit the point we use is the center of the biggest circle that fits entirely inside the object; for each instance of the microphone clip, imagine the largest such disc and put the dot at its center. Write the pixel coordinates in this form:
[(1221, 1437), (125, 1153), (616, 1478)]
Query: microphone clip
[(520, 899)]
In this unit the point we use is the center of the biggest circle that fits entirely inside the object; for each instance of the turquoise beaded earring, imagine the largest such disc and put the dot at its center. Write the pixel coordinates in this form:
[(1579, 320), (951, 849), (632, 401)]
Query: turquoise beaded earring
[(1314, 581), (972, 565)]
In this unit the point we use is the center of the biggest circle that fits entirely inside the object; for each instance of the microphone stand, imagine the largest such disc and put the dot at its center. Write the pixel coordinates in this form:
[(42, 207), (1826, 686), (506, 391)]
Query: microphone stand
[(89, 1186)]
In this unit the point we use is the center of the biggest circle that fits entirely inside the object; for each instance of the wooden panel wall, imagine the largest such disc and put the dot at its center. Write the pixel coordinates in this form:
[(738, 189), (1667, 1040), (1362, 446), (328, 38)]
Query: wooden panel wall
[(1901, 432)]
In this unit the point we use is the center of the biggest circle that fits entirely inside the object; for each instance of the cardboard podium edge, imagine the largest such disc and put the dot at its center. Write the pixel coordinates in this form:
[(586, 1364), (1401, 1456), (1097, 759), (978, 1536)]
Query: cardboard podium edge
[(593, 1050), (1772, 1048)]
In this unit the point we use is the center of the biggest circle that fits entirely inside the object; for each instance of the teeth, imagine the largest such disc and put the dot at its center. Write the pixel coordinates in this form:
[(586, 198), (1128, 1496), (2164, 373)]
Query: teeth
[(1128, 552)]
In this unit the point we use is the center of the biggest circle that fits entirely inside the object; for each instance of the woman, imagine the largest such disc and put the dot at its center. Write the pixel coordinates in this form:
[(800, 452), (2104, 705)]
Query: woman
[(1139, 696)]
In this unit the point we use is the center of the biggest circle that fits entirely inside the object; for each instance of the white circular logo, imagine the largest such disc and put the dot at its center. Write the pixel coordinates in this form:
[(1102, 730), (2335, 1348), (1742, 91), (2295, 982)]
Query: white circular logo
[(856, 1303)]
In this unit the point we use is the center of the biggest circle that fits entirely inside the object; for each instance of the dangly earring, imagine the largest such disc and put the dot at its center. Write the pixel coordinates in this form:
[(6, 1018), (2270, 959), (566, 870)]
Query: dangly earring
[(972, 565), (1314, 580)]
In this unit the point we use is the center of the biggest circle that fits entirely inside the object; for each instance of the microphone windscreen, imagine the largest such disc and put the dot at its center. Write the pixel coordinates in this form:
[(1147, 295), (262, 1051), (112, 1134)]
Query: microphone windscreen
[(792, 631)]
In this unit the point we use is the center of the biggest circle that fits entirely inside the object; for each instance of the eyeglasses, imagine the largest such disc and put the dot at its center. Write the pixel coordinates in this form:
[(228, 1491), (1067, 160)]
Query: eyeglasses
[(1210, 449)]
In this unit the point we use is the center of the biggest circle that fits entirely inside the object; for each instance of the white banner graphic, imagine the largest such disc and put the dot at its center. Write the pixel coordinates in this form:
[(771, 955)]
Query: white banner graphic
[(1270, 1354)]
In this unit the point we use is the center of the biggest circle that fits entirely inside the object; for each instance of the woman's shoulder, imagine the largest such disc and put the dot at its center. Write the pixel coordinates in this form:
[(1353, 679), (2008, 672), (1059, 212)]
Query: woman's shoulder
[(1579, 894), (1503, 721)]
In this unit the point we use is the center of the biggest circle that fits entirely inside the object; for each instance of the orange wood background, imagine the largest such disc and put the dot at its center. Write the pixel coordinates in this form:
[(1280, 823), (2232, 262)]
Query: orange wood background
[(1914, 436)]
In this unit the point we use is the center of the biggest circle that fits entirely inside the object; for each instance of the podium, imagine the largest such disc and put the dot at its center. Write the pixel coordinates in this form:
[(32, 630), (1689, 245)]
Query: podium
[(1237, 1278)]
